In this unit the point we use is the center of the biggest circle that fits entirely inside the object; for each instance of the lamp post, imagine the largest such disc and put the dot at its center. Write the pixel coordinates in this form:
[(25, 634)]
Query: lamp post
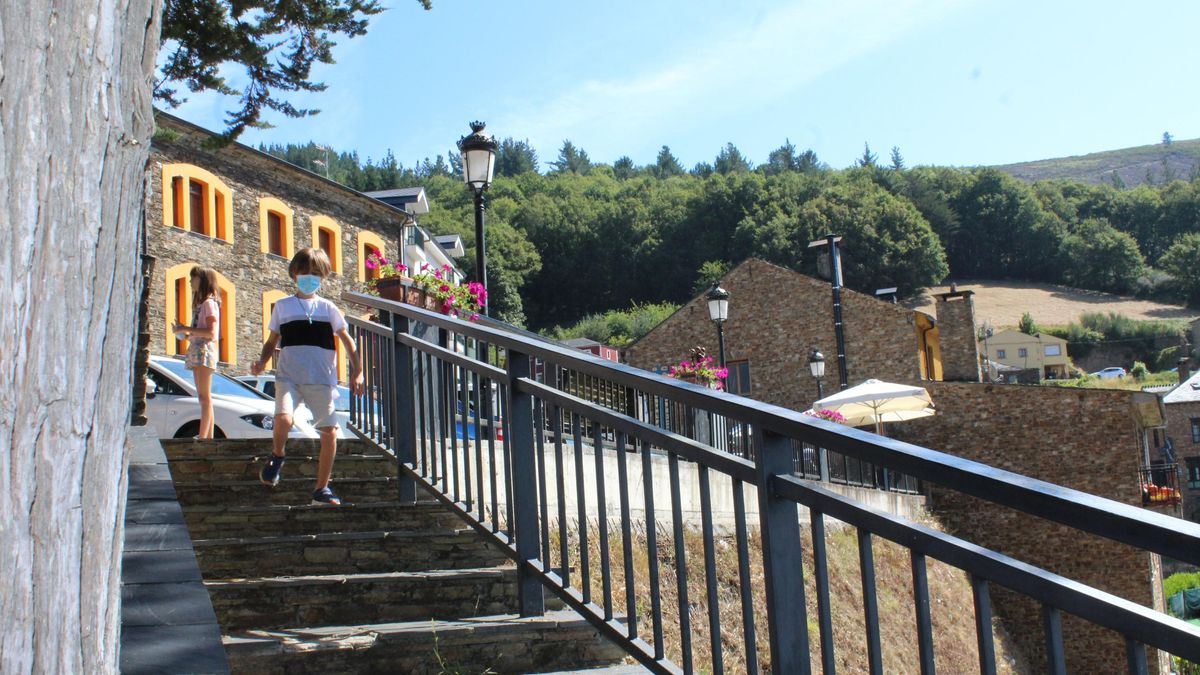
[(816, 366), (718, 311), (478, 162), (835, 280)]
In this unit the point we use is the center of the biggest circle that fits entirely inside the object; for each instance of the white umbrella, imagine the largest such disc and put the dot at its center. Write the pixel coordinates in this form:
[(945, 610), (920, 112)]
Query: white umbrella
[(876, 402)]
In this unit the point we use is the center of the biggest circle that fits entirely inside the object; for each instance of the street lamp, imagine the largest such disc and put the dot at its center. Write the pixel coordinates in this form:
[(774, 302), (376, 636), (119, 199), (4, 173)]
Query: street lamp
[(718, 311), (835, 280), (816, 366), (478, 162)]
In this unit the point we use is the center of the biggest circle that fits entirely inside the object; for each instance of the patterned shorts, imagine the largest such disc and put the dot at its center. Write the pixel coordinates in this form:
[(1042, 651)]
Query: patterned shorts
[(201, 355)]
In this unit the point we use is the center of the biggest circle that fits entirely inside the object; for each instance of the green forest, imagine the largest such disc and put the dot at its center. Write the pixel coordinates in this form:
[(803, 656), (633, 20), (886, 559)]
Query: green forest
[(575, 238)]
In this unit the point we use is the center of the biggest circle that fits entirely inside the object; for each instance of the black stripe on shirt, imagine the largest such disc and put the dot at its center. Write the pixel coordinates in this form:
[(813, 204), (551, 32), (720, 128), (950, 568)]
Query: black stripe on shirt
[(303, 332)]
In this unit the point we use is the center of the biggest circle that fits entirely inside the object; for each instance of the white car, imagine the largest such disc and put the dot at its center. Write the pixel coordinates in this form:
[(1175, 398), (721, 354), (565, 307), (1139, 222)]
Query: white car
[(341, 406), (240, 411), (1111, 373)]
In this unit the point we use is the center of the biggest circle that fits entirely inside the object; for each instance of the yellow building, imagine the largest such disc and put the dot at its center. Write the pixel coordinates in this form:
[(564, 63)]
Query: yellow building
[(1045, 353)]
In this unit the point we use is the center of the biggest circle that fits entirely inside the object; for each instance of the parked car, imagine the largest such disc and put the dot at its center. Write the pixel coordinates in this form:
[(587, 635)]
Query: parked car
[(1111, 373), (240, 411), (341, 406)]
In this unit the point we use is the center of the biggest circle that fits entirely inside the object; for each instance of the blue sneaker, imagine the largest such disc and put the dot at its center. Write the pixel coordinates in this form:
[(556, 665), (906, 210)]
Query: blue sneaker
[(325, 497), (270, 472)]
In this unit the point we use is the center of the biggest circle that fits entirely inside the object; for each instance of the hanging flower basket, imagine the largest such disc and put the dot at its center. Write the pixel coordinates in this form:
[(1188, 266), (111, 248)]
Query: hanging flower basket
[(701, 370)]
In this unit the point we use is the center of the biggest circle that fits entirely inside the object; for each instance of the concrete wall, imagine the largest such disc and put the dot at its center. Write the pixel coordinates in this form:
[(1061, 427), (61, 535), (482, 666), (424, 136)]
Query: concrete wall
[(251, 177), (1085, 439), (775, 317)]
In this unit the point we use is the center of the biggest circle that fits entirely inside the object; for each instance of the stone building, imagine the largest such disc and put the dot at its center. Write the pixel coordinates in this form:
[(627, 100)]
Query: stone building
[(1183, 429), (776, 316), (244, 213)]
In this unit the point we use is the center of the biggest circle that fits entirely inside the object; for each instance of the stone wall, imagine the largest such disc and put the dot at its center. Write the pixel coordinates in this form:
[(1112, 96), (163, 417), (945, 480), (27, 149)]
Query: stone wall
[(1085, 439), (956, 330), (775, 317), (1179, 430), (251, 176)]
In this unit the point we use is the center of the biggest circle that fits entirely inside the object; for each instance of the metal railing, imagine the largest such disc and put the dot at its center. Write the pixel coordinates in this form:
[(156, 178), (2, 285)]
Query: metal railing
[(543, 495)]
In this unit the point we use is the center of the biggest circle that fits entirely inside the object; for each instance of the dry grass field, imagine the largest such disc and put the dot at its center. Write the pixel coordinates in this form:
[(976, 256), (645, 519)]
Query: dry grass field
[(1003, 303)]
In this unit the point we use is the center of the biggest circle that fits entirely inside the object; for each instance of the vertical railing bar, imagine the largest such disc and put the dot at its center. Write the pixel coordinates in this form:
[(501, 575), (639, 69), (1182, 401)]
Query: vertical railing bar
[(924, 620), (626, 536), (564, 545), (743, 550), (581, 503), (480, 500), (465, 398), (369, 386), (685, 620), (866, 561), (452, 424), (492, 454), (710, 570), (543, 479), (506, 424), (445, 421), (435, 473), (602, 520), (983, 625), (1135, 656), (652, 549), (423, 414), (1056, 663), (353, 398), (821, 578)]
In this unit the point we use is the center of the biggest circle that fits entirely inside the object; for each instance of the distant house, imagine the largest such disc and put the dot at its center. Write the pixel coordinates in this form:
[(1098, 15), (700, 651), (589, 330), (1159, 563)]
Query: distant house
[(599, 349), (1183, 430), (1041, 352)]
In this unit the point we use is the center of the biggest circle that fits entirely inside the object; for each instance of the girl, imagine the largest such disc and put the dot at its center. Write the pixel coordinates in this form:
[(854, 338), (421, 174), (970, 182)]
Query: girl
[(202, 338)]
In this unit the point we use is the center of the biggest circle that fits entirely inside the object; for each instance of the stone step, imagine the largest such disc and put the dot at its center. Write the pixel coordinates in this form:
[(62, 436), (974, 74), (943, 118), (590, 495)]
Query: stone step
[(223, 522), (627, 669), (183, 449), (206, 468), (277, 602), (291, 491), (559, 640), (345, 553)]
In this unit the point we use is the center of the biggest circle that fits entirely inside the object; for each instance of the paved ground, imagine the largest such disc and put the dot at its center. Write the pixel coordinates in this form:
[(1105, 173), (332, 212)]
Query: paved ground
[(1003, 303)]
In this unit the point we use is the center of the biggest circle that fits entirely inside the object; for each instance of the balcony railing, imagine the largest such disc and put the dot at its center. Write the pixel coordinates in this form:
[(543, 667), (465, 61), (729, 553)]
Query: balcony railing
[(543, 495), (1160, 485)]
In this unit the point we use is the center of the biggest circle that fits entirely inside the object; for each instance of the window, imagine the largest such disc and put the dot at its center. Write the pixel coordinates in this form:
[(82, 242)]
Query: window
[(1000, 354), (1022, 353), (268, 304), (179, 308), (1053, 350), (1193, 473), (1196, 429), (275, 227), (738, 381), (163, 385), (327, 236), (194, 200), (368, 243)]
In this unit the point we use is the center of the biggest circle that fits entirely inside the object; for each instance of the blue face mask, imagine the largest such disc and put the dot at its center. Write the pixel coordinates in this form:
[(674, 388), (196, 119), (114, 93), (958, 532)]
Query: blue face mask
[(308, 283)]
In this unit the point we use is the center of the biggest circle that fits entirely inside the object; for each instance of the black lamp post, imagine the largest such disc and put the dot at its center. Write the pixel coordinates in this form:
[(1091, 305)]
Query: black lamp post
[(478, 162), (816, 366), (835, 280), (718, 311)]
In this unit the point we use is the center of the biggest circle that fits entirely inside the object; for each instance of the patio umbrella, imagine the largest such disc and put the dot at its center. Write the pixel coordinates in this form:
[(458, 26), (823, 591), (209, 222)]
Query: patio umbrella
[(876, 402)]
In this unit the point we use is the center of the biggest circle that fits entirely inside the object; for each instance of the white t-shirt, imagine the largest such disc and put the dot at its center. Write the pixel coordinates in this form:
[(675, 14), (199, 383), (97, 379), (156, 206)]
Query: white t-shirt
[(307, 329)]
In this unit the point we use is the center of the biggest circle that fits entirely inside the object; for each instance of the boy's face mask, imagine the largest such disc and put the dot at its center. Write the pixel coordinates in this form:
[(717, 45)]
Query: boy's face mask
[(308, 283)]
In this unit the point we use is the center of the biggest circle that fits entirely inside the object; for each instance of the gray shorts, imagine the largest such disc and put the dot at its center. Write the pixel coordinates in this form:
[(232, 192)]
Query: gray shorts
[(318, 398)]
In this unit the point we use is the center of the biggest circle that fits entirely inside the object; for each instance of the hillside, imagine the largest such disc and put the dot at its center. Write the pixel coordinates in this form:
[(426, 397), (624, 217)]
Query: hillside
[(1131, 164), (1003, 302)]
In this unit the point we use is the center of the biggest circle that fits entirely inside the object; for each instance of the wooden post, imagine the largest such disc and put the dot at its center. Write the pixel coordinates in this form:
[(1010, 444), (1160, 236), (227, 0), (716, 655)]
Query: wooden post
[(73, 153)]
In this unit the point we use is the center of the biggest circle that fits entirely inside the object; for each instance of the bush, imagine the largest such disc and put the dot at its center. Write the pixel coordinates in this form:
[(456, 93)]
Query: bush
[(617, 328), (1180, 582), (1139, 371)]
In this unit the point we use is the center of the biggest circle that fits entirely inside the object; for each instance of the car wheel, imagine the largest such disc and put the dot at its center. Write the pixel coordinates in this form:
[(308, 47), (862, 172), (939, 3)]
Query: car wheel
[(192, 429)]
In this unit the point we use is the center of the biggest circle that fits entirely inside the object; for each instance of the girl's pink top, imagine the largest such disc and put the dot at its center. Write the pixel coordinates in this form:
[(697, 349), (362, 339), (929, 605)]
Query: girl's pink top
[(209, 308)]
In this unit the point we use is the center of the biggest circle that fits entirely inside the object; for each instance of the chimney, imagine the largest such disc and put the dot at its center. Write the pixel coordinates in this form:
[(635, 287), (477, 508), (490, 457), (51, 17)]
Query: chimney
[(957, 335), (1185, 369)]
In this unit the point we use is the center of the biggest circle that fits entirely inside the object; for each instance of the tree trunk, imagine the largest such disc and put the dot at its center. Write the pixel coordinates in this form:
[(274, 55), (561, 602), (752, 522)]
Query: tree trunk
[(75, 125)]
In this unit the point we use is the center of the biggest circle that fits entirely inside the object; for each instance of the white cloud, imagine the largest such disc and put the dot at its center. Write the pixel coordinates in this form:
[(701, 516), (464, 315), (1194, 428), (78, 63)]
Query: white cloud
[(747, 66)]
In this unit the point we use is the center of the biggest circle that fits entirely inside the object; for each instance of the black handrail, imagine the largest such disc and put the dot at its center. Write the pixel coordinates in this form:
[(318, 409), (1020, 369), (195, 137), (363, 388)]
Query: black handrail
[(427, 401)]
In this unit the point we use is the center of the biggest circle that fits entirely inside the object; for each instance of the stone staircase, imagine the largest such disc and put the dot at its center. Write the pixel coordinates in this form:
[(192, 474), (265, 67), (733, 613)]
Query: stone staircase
[(372, 586)]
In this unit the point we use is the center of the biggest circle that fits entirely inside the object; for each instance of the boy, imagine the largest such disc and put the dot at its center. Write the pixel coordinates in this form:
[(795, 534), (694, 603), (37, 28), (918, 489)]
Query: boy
[(304, 326)]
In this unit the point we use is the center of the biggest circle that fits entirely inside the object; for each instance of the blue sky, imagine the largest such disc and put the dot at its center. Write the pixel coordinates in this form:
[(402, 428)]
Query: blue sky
[(952, 82)]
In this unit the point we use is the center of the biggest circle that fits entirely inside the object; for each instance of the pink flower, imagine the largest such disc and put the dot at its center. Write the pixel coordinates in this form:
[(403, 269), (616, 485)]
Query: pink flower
[(371, 264), (437, 274), (424, 266), (474, 317), (401, 267), (447, 268), (450, 299)]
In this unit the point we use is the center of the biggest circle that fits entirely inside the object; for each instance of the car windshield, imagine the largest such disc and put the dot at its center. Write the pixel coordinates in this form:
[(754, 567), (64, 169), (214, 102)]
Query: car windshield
[(343, 400), (221, 385)]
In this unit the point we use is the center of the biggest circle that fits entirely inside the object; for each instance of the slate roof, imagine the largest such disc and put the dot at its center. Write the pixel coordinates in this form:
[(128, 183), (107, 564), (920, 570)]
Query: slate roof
[(1186, 392)]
